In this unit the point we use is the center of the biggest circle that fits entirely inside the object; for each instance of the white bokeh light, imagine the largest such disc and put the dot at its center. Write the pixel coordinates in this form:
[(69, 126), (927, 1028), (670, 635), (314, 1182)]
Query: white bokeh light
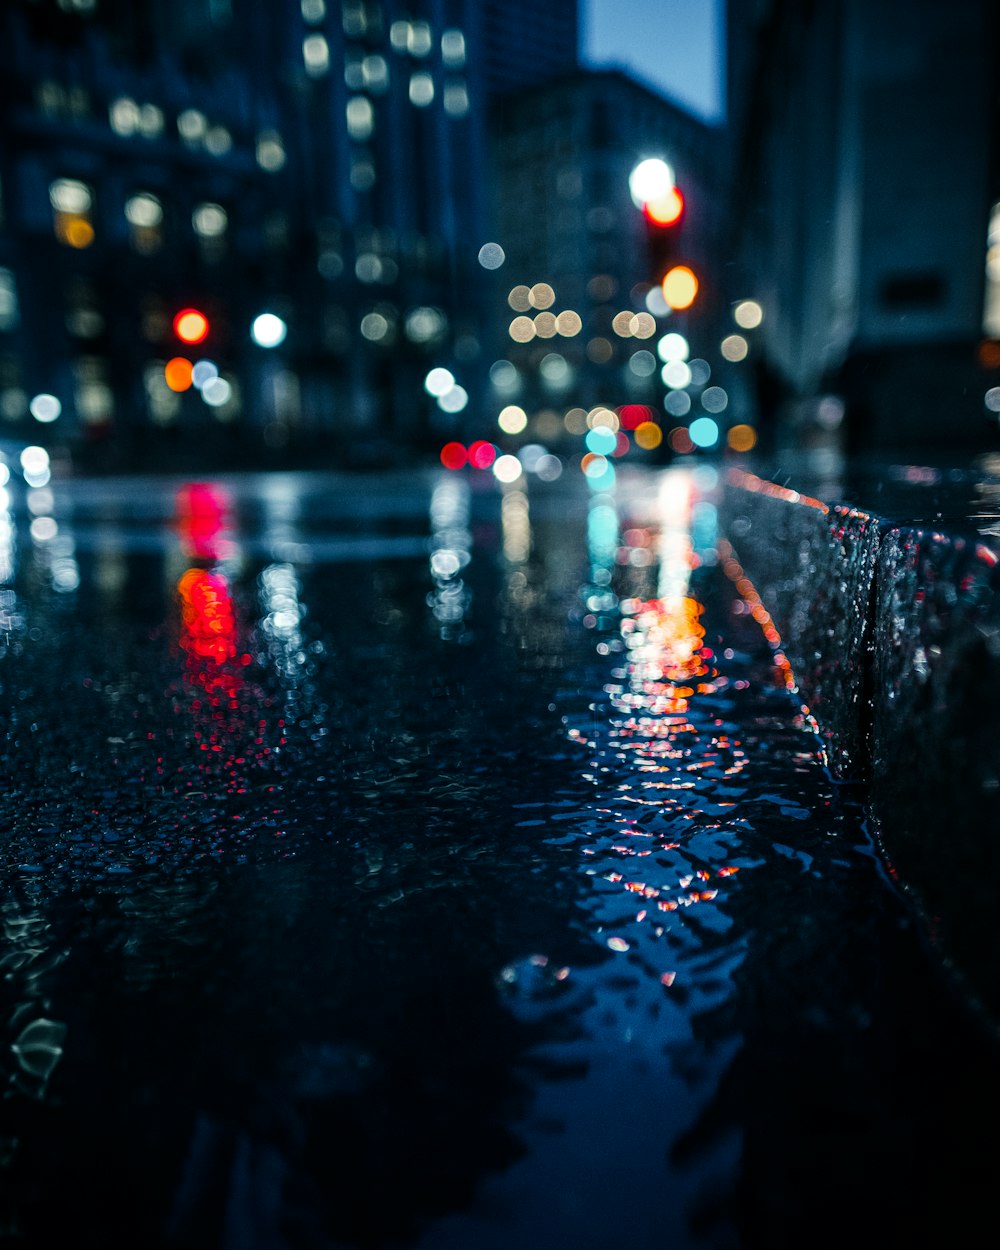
[(268, 330)]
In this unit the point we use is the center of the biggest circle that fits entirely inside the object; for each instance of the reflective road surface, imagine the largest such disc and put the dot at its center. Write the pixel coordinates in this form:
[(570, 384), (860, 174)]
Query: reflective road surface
[(428, 862)]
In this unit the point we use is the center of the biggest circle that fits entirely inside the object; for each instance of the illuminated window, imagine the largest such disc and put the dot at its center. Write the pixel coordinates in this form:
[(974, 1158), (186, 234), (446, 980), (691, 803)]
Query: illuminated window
[(144, 214), (9, 311), (360, 118), (316, 55), (150, 121), (163, 403), (270, 151), (124, 116), (210, 221), (192, 126), (50, 97), (456, 99), (218, 140), (72, 204), (418, 39), (313, 10), (399, 35), (94, 401), (362, 171), (84, 319), (421, 89), (355, 19), (354, 74), (453, 49), (375, 73)]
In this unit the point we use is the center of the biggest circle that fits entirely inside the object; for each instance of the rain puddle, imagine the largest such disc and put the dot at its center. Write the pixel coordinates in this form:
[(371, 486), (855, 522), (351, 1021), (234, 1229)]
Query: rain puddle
[(430, 864)]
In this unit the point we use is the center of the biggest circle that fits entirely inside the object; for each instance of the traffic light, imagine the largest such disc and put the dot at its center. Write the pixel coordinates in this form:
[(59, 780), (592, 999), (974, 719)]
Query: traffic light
[(663, 217), (191, 326)]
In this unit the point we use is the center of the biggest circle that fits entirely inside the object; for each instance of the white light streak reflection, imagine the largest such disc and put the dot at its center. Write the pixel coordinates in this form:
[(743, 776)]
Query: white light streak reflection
[(451, 546)]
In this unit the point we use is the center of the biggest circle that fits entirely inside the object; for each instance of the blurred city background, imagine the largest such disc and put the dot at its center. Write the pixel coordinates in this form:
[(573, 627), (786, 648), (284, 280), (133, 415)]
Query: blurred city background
[(369, 233)]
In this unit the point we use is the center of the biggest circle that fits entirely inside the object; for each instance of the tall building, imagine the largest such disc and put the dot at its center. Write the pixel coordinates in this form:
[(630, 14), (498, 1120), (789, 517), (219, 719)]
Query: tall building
[(525, 43), (318, 162), (580, 290), (865, 168)]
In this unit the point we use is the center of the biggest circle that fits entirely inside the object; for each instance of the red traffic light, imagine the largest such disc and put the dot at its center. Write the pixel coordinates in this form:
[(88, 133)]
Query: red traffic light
[(191, 326), (666, 210)]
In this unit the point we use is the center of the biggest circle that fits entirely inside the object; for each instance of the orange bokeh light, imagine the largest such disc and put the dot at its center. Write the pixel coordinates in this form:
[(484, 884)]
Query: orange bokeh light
[(177, 373), (742, 437), (667, 210), (191, 326), (680, 286)]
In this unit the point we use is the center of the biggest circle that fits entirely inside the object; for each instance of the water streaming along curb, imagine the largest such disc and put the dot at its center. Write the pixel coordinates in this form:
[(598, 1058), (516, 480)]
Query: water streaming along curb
[(460, 871)]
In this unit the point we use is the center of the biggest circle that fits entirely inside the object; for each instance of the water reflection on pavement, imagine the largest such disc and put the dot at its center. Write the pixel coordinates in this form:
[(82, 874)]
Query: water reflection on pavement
[(421, 862)]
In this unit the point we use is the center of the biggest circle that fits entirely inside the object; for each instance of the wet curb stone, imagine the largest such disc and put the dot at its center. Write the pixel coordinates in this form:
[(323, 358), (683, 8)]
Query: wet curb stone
[(893, 634)]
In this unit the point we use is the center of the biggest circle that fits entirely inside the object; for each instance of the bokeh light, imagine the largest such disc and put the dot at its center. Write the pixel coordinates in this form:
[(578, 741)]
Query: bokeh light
[(734, 347), (648, 435), (631, 416), (742, 437), (569, 323), (714, 399), (673, 346), (216, 392), (541, 295), (439, 381), (601, 440), (680, 287), (268, 330), (651, 180), (748, 314), (704, 432), (512, 419), (191, 326), (679, 441), (178, 373), (45, 408), (454, 456), (665, 210), (677, 403), (676, 374), (481, 454), (491, 256), (204, 371), (454, 399), (507, 468)]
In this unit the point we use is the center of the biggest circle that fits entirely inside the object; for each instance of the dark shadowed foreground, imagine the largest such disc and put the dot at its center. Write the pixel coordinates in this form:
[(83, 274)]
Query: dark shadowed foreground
[(424, 864)]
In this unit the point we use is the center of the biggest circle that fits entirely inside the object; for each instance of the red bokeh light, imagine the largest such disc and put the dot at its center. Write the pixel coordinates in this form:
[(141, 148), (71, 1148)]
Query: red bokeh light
[(622, 443), (481, 454), (667, 210), (191, 326), (453, 455), (632, 415)]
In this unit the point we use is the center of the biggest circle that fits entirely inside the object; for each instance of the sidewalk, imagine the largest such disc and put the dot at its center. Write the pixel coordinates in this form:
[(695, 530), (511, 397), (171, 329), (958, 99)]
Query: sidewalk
[(883, 581)]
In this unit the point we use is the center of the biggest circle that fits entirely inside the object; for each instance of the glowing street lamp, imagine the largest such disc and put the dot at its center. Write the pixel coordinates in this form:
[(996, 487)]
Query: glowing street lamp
[(650, 181)]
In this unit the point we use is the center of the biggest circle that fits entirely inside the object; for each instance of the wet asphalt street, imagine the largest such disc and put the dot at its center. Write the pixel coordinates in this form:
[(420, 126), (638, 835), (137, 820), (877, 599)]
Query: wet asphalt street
[(419, 861)]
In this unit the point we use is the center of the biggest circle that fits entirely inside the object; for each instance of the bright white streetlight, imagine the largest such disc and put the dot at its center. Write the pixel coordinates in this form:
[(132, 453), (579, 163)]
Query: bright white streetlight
[(651, 179), (268, 330)]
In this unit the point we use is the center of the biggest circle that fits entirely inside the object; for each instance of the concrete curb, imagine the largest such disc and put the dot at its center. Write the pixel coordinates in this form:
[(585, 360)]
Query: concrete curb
[(893, 634)]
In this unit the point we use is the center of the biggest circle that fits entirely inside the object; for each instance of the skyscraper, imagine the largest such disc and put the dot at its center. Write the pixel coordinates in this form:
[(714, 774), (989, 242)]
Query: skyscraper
[(321, 163)]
